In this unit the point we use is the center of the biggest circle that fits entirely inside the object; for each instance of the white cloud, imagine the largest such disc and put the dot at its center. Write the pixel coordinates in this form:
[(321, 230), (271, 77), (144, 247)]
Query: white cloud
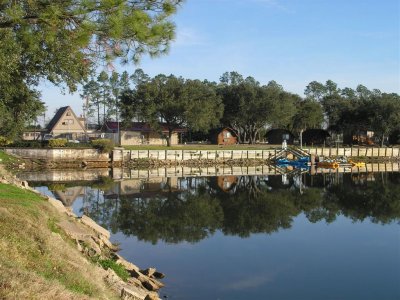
[(186, 37)]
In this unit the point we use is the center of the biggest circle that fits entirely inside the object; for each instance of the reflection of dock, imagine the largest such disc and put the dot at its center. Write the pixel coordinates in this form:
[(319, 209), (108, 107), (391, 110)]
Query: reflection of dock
[(180, 171), (64, 175)]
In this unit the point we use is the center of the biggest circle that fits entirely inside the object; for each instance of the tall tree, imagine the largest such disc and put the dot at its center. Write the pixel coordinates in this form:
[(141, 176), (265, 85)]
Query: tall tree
[(385, 116), (92, 99), (63, 40), (309, 115), (250, 107), (175, 102), (105, 92)]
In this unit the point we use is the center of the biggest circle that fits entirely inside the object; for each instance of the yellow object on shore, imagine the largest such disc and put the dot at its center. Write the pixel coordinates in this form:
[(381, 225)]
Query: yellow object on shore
[(359, 164)]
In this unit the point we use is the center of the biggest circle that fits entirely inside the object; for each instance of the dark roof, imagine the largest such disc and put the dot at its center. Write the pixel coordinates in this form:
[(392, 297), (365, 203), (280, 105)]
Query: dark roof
[(138, 126), (56, 117)]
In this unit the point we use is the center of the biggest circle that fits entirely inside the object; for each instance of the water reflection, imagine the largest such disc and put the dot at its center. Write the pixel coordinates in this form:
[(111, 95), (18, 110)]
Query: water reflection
[(190, 209)]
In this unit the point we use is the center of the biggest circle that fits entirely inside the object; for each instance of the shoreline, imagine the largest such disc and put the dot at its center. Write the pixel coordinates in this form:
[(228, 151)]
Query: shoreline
[(76, 158)]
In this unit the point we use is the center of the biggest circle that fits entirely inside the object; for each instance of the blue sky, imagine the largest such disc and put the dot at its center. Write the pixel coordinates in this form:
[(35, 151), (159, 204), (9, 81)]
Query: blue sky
[(290, 41)]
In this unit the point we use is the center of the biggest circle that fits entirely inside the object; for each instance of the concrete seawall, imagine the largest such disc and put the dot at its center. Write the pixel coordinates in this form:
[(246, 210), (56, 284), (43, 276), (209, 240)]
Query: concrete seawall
[(60, 154), (121, 155)]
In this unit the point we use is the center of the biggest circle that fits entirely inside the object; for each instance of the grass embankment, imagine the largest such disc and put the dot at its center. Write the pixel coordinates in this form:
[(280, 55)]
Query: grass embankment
[(6, 159), (37, 261)]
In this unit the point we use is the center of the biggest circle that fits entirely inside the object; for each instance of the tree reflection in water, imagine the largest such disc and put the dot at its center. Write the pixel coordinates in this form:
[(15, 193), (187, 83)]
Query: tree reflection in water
[(193, 209)]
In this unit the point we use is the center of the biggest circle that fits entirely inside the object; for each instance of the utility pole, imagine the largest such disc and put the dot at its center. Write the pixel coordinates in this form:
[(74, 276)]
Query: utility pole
[(301, 138)]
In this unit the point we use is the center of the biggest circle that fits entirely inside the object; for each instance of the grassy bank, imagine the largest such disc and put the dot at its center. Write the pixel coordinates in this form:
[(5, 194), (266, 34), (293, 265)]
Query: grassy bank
[(37, 261)]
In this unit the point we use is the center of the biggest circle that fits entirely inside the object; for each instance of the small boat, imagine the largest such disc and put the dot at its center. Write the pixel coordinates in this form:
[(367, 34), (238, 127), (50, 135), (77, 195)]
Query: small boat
[(301, 162)]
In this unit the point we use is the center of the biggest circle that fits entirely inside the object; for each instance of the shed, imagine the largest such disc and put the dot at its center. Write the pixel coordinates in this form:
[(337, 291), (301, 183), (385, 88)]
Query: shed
[(315, 136), (223, 136)]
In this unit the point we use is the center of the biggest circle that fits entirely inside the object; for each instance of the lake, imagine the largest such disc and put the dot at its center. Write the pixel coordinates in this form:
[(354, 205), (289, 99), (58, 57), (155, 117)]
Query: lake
[(291, 236)]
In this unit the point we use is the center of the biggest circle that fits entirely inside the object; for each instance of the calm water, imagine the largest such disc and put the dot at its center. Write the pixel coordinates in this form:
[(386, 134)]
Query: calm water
[(332, 236)]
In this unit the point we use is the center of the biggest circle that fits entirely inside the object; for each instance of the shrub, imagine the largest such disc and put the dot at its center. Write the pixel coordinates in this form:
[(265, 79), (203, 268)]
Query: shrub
[(104, 145), (57, 143), (117, 268), (27, 144), (4, 141)]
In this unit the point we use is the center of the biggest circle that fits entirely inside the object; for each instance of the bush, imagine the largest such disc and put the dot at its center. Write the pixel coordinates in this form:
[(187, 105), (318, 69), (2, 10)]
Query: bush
[(58, 143), (117, 268), (4, 141), (104, 145), (27, 144)]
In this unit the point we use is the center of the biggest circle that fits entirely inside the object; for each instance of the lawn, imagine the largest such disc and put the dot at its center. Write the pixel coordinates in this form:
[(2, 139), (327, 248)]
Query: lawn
[(5, 158)]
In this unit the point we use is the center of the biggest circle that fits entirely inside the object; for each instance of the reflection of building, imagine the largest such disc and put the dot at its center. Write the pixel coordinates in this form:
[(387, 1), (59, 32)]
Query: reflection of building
[(69, 195), (226, 183), (148, 186)]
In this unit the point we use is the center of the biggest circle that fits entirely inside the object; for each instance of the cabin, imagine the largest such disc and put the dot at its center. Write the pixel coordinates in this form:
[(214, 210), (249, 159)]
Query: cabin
[(33, 134), (359, 137), (277, 136), (315, 137), (65, 123), (223, 136), (140, 133)]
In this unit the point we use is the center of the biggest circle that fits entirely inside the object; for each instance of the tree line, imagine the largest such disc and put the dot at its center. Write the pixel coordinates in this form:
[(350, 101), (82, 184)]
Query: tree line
[(241, 104)]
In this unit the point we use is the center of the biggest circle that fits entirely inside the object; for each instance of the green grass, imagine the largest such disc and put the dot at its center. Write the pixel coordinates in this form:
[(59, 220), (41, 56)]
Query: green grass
[(117, 268), (52, 225), (37, 261), (55, 270), (5, 158), (13, 195)]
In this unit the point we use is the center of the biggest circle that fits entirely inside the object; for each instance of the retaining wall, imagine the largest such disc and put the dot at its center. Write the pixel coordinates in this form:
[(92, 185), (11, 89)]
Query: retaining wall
[(118, 155), (60, 154), (182, 155)]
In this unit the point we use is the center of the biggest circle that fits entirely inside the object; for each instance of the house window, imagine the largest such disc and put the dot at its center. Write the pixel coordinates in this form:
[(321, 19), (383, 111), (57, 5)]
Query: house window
[(227, 134), (68, 113), (69, 122)]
